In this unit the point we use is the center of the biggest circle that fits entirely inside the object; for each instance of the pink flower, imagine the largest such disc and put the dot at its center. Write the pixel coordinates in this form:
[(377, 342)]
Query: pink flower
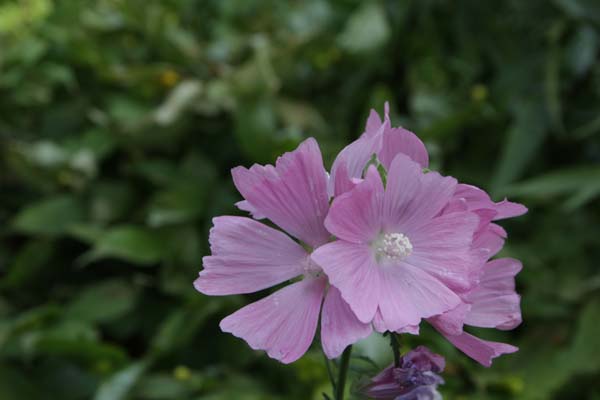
[(397, 258), (248, 256), (379, 139)]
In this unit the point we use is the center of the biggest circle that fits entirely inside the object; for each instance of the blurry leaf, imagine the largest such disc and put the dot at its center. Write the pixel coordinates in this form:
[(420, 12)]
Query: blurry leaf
[(552, 81), (15, 17), (581, 9), (582, 183), (180, 204), (51, 216), (110, 201), (16, 385), (162, 387), (134, 244), (582, 49), (119, 385), (29, 263), (366, 29), (129, 113), (522, 142), (179, 328), (102, 302), (159, 172), (180, 98)]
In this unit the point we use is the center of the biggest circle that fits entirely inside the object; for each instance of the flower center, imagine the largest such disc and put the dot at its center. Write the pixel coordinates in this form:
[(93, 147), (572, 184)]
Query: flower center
[(393, 246)]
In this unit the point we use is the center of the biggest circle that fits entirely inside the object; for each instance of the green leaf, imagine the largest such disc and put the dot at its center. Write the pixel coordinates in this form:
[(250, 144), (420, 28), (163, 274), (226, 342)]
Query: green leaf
[(102, 302), (180, 98), (130, 243), (52, 216), (581, 51), (582, 183), (119, 385), (367, 29), (180, 204), (29, 263), (524, 139)]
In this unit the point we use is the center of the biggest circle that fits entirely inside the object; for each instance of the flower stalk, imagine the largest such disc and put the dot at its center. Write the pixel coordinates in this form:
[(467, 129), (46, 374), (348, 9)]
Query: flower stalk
[(343, 373)]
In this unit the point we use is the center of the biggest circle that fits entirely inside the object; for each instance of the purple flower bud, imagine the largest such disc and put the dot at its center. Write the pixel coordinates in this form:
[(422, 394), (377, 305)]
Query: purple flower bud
[(416, 379)]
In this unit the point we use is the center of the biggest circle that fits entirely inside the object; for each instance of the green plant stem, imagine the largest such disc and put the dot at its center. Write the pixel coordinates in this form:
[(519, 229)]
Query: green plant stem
[(330, 374), (395, 343), (342, 373)]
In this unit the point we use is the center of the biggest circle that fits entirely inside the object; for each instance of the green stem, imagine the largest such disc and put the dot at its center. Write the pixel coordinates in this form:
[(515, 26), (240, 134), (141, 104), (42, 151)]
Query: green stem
[(342, 373), (330, 374), (395, 343)]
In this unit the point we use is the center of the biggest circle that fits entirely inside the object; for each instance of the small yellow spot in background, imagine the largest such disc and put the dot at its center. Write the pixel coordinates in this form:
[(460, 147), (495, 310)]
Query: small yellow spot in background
[(515, 384), (169, 78), (182, 373), (479, 92), (103, 367)]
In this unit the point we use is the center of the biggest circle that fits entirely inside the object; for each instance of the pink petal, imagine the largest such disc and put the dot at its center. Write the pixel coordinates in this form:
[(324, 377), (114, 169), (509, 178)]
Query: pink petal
[(494, 303), (400, 141), (451, 322), (339, 326), (412, 197), (373, 124), (293, 194), (442, 247), (248, 256), (508, 209), (489, 241), (245, 205), (353, 270), (381, 327), (482, 351), (408, 294), (477, 199), (351, 162), (284, 323), (355, 215)]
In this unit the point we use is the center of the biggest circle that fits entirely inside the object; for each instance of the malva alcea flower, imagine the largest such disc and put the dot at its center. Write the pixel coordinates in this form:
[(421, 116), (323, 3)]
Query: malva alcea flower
[(379, 254), (416, 378), (248, 256)]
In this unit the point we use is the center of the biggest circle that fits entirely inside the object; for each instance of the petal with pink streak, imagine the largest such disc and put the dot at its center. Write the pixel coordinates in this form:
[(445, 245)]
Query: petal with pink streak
[(478, 199), (353, 270), (401, 141), (293, 194), (442, 247), (489, 241), (508, 209), (282, 324), (480, 350), (245, 205), (408, 294), (248, 256), (355, 216), (412, 197), (351, 162), (373, 124), (380, 326), (451, 322), (494, 303), (339, 326)]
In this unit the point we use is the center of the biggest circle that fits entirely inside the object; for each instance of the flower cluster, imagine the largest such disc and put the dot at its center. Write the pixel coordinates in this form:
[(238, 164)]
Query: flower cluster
[(415, 378), (381, 243)]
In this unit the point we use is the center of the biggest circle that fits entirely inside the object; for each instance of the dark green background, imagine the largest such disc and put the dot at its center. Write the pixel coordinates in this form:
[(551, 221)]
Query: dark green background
[(120, 121)]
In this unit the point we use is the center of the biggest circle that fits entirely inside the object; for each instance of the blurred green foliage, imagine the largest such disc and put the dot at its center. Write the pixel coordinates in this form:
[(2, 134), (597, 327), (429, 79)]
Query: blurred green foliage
[(120, 120)]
